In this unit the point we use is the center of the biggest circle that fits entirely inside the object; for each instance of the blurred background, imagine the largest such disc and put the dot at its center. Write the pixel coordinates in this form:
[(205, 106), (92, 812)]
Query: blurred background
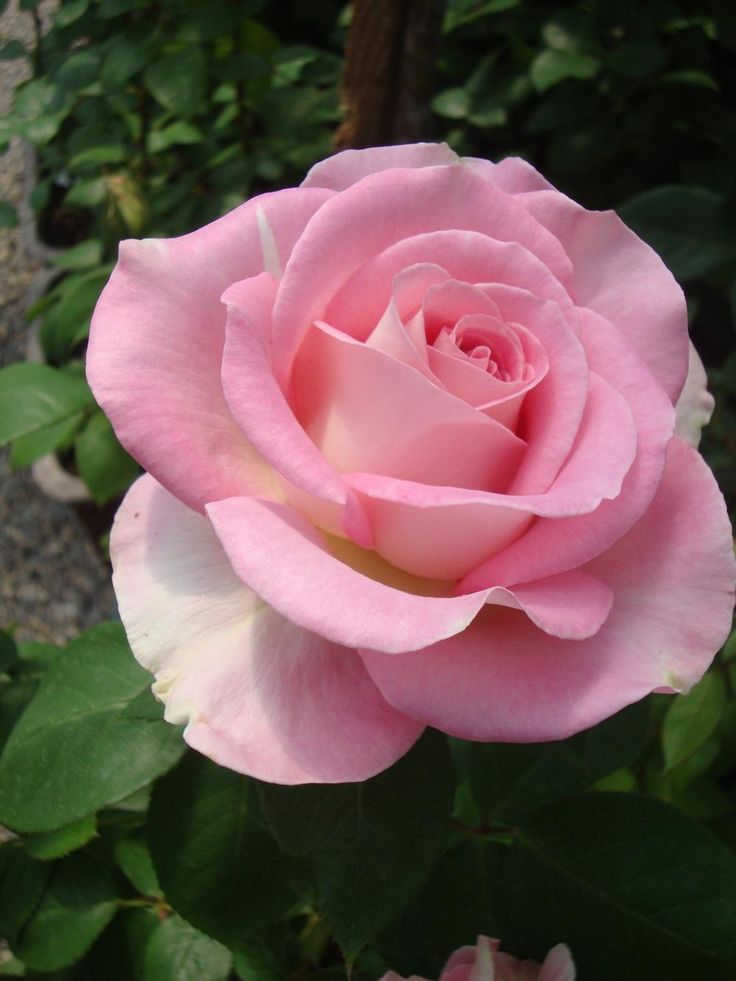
[(151, 117)]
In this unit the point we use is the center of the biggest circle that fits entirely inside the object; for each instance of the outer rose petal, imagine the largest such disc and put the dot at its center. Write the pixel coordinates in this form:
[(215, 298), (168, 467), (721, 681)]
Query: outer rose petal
[(695, 404), (615, 272), (620, 277), (512, 174), (270, 547), (258, 694), (350, 166), (156, 345), (672, 576)]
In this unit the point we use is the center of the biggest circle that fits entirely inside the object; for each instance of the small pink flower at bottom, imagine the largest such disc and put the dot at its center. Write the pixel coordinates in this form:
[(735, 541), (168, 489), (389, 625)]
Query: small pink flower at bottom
[(485, 962)]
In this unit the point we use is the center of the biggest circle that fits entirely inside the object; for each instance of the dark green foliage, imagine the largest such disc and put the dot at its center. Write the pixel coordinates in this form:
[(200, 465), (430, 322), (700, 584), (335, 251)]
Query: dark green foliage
[(152, 119), (368, 845)]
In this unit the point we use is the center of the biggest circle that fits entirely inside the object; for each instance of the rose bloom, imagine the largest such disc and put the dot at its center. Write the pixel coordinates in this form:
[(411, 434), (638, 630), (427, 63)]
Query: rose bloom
[(485, 962), (410, 439)]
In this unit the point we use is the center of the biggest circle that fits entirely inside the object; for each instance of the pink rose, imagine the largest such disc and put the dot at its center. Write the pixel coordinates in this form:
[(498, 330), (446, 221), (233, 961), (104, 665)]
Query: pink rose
[(409, 434), (485, 962)]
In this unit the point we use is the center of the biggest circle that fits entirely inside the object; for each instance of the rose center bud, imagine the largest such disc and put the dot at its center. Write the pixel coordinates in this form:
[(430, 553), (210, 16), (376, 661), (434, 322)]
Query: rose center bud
[(487, 344)]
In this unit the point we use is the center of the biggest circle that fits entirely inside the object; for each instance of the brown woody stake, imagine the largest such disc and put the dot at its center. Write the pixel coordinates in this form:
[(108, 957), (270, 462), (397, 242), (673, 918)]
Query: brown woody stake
[(387, 80)]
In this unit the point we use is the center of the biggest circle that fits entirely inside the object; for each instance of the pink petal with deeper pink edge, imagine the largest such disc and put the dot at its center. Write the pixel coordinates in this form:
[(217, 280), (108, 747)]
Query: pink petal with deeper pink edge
[(554, 408), (624, 280), (447, 302), (513, 175), (672, 577), (257, 402), (368, 412), (444, 532), (387, 207), (695, 404), (552, 546), (499, 400), (270, 546), (156, 342), (350, 166), (390, 334), (467, 256), (257, 693), (442, 541)]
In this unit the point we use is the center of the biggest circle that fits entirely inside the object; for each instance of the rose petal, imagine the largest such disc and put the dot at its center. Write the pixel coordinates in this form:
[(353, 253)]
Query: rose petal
[(270, 546), (443, 531), (350, 166), (467, 256), (258, 694), (558, 965), (257, 402), (386, 207), (156, 343), (620, 277), (553, 546), (672, 577), (368, 412), (513, 175), (695, 405)]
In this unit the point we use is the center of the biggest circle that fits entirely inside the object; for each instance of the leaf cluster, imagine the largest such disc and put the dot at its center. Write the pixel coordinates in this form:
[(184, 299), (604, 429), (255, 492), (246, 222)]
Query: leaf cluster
[(132, 858), (148, 118)]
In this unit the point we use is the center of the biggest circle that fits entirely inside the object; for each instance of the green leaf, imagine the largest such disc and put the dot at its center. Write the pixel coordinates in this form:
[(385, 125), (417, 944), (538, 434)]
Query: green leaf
[(691, 76), (180, 132), (452, 103), (35, 396), (691, 719), (512, 780), (12, 967), (77, 906), (11, 50), (134, 859), (636, 58), (40, 108), (177, 81), (178, 952), (26, 449), (78, 70), (687, 226), (126, 56), (460, 12), (217, 866), (8, 215), (86, 193), (66, 321), (453, 906), (96, 156), (81, 256), (63, 841), (552, 66), (91, 736), (636, 889), (22, 881), (369, 845), (571, 31), (258, 960), (8, 651), (103, 464), (69, 12)]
